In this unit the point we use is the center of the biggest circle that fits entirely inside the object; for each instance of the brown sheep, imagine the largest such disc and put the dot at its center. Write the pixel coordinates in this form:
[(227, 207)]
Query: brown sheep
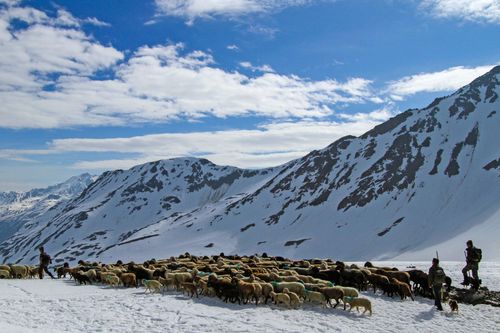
[(404, 289), (128, 280), (400, 276), (190, 289), (377, 280), (246, 289), (335, 293)]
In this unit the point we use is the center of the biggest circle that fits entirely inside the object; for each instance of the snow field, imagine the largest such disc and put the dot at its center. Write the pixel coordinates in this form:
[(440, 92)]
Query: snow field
[(61, 306)]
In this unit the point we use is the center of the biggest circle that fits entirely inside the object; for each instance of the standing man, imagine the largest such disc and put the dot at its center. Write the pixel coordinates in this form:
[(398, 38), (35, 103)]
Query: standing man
[(44, 263), (436, 280), (473, 256)]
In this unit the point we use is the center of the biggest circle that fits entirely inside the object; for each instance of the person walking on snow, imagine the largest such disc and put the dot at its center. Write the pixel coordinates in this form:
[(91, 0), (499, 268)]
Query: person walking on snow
[(44, 263), (436, 280)]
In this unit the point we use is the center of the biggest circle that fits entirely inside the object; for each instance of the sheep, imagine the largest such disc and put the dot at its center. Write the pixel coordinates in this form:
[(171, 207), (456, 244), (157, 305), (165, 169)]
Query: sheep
[(247, 290), (316, 297), (336, 293), (5, 268), (32, 272), (190, 288), (401, 276), (296, 287), (306, 278), (113, 280), (167, 282), (202, 283), (180, 278), (279, 298), (81, 278), (128, 280), (151, 285), (358, 302), (294, 298), (4, 274), (330, 275), (289, 278), (378, 280), (420, 282), (266, 289), (390, 289), (19, 271), (349, 291), (404, 289), (141, 273), (224, 288), (353, 278), (92, 274), (105, 276)]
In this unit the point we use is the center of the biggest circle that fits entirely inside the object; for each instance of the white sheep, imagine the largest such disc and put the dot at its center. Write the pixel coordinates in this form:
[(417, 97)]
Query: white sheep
[(294, 298), (295, 287), (349, 291), (279, 298), (316, 297)]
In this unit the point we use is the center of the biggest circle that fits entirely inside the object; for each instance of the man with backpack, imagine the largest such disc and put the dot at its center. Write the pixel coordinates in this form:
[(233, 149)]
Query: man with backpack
[(436, 279), (473, 256), (45, 260)]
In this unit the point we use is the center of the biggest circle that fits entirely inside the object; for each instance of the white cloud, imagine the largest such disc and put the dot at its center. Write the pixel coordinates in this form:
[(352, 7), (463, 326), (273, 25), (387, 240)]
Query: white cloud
[(233, 47), (268, 145), (263, 68), (446, 80), (42, 86), (468, 10), (193, 9)]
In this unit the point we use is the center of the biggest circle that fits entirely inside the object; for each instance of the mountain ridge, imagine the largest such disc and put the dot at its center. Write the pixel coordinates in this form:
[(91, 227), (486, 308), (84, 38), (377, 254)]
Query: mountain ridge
[(417, 180)]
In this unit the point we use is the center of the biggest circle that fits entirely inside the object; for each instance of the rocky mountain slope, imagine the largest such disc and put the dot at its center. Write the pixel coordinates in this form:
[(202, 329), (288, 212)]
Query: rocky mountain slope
[(425, 177)]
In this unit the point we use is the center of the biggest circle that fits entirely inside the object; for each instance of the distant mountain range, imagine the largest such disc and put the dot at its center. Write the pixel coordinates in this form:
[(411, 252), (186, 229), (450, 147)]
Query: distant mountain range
[(17, 208), (425, 180)]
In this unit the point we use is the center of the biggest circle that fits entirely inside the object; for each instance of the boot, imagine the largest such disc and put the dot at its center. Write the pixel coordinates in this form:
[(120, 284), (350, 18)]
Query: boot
[(466, 281)]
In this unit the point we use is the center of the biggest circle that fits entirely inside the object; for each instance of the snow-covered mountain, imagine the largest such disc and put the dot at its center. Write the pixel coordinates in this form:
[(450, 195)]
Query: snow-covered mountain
[(424, 178), (17, 208)]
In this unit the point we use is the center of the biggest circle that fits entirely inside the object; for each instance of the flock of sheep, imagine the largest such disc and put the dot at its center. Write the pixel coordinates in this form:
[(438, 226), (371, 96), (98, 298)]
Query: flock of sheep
[(248, 279)]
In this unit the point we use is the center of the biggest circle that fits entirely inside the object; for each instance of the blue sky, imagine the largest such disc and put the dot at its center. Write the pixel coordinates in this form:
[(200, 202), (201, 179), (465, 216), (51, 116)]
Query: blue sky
[(87, 86)]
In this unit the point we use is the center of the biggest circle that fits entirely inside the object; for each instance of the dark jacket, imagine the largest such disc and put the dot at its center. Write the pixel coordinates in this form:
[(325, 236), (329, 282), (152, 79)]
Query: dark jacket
[(44, 259), (436, 276)]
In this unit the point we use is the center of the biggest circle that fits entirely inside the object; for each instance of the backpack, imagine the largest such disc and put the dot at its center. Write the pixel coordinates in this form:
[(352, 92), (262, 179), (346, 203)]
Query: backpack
[(439, 276), (477, 254)]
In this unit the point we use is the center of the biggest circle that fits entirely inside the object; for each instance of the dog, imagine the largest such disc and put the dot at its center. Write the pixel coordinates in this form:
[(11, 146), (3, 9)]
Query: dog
[(453, 305)]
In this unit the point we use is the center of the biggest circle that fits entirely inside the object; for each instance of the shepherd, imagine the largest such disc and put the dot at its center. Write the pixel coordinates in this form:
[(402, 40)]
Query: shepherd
[(436, 279), (45, 260), (473, 256)]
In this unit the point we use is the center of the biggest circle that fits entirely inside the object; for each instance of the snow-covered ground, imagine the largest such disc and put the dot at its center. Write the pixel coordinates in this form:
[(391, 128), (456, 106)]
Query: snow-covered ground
[(61, 306)]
